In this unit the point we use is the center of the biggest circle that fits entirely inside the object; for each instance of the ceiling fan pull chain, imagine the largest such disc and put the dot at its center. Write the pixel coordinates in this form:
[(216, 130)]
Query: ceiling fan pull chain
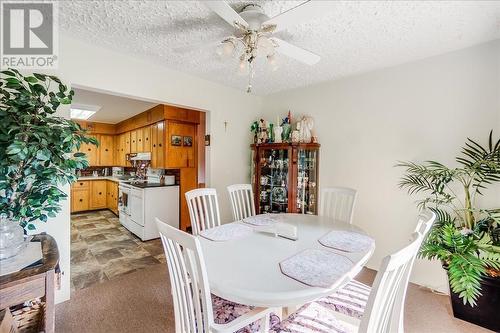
[(250, 77)]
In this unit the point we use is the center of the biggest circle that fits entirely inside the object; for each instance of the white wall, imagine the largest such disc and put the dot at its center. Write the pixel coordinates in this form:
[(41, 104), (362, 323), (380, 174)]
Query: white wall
[(418, 111), (87, 66)]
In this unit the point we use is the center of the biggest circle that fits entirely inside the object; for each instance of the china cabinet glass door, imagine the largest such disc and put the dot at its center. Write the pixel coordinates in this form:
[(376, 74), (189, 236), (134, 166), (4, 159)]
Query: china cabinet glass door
[(307, 174), (273, 181)]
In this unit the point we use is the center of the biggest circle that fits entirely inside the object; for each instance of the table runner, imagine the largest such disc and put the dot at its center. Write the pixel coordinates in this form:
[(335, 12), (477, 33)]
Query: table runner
[(316, 267), (227, 232), (347, 241)]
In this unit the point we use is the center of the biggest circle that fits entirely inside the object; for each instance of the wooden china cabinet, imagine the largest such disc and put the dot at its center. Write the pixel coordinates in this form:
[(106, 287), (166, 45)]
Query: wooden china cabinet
[(285, 177)]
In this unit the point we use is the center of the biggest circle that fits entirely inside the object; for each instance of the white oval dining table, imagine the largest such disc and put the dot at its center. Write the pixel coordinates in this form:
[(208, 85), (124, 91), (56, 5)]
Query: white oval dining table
[(247, 271)]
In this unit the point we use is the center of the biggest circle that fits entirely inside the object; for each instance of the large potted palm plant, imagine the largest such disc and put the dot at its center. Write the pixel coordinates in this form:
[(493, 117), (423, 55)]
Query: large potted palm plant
[(466, 236), (37, 153)]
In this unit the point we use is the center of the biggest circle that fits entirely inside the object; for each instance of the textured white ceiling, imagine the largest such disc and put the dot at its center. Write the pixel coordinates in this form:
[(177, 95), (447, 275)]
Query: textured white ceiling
[(353, 37), (113, 108)]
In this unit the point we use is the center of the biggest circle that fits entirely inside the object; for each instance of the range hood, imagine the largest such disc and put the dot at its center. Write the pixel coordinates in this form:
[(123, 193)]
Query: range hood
[(140, 156)]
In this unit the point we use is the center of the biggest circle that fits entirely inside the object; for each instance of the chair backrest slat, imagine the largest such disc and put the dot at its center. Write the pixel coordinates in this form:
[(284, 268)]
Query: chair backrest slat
[(338, 203), (203, 209), (242, 201), (190, 290), (384, 311)]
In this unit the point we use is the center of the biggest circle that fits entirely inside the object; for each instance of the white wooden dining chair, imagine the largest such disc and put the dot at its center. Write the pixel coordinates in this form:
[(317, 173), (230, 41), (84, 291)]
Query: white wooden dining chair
[(193, 307), (338, 203), (384, 307), (203, 209), (242, 201), (352, 299)]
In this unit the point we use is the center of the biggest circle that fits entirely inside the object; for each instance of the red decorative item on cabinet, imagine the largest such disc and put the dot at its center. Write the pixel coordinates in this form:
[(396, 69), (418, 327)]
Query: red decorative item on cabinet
[(285, 177)]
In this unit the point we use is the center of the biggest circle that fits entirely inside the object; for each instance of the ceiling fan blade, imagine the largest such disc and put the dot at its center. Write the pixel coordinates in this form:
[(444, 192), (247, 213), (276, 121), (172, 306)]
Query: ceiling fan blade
[(225, 11), (295, 52), (306, 10)]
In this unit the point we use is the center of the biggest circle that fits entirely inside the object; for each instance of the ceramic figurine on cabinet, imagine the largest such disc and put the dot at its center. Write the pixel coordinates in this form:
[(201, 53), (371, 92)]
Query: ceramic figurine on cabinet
[(296, 135), (305, 127), (255, 130), (262, 134), (278, 130), (271, 133)]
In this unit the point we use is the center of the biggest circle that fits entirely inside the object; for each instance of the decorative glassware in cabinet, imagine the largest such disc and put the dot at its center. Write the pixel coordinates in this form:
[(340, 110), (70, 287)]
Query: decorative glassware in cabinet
[(273, 182), (307, 182)]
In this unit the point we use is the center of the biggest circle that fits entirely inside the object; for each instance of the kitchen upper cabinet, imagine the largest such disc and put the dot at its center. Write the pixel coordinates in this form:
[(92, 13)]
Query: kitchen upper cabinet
[(91, 151), (133, 141), (158, 145), (124, 149), (143, 139), (146, 139), (140, 140), (98, 194), (118, 149), (183, 155), (106, 150)]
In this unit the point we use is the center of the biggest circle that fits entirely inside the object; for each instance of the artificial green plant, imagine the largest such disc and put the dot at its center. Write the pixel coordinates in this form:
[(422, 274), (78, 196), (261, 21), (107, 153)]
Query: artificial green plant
[(465, 237), (37, 147)]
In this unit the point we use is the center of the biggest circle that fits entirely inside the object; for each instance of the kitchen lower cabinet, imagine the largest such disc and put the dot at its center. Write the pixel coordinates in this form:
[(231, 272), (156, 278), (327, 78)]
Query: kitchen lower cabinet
[(97, 194), (112, 196), (94, 194), (79, 200)]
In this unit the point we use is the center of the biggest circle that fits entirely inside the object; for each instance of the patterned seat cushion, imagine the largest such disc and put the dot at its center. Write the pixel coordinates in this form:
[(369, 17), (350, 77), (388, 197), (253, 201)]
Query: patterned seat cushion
[(226, 311), (350, 300), (313, 318)]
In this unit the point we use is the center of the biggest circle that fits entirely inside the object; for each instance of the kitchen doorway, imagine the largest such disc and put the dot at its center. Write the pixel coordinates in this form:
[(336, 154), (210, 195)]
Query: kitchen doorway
[(105, 245)]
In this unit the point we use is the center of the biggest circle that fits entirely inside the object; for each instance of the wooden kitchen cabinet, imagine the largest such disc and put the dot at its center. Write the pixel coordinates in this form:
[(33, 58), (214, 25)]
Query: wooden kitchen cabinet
[(158, 145), (117, 146), (140, 140), (106, 148), (91, 151), (146, 139), (112, 196), (97, 194), (143, 139), (80, 199), (181, 156), (123, 149), (133, 141)]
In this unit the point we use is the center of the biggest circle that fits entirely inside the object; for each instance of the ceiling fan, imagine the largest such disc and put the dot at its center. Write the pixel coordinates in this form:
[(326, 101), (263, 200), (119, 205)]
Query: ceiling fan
[(253, 36)]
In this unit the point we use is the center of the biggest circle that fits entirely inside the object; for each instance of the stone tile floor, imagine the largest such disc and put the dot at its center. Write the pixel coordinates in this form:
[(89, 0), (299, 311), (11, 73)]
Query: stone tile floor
[(102, 249)]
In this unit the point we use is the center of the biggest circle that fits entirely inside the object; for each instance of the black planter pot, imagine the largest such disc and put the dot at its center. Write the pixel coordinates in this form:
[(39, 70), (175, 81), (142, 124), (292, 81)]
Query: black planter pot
[(487, 311)]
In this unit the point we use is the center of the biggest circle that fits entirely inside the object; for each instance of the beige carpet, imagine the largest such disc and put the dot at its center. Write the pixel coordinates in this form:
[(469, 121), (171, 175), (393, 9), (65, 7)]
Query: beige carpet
[(141, 302)]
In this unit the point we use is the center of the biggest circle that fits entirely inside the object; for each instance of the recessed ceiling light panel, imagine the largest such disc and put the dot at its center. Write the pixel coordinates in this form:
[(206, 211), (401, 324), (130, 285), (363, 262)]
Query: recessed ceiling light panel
[(83, 112)]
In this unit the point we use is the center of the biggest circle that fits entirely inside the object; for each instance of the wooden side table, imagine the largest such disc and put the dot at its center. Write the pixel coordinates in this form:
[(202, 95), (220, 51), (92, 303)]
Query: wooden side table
[(35, 282)]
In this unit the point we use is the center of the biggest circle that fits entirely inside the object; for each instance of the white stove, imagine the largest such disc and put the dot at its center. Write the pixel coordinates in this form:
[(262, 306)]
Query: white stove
[(140, 204)]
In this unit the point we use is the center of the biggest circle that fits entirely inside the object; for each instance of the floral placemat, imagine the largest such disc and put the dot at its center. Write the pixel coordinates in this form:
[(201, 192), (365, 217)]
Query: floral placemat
[(316, 267), (347, 241), (227, 232)]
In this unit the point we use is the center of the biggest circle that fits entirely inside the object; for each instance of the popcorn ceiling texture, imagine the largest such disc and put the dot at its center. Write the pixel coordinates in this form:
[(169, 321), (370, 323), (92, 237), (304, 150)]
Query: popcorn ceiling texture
[(353, 37)]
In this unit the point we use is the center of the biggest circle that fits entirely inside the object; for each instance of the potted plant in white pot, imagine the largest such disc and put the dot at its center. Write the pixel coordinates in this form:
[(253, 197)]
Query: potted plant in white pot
[(465, 237), (37, 153)]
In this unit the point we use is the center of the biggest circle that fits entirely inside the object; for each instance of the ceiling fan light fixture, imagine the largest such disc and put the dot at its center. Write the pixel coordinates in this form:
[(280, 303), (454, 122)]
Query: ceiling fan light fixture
[(273, 61), (243, 68), (225, 48), (265, 46)]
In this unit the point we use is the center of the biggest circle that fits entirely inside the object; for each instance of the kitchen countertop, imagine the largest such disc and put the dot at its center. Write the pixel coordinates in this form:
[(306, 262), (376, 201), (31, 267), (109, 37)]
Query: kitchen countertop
[(118, 180)]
